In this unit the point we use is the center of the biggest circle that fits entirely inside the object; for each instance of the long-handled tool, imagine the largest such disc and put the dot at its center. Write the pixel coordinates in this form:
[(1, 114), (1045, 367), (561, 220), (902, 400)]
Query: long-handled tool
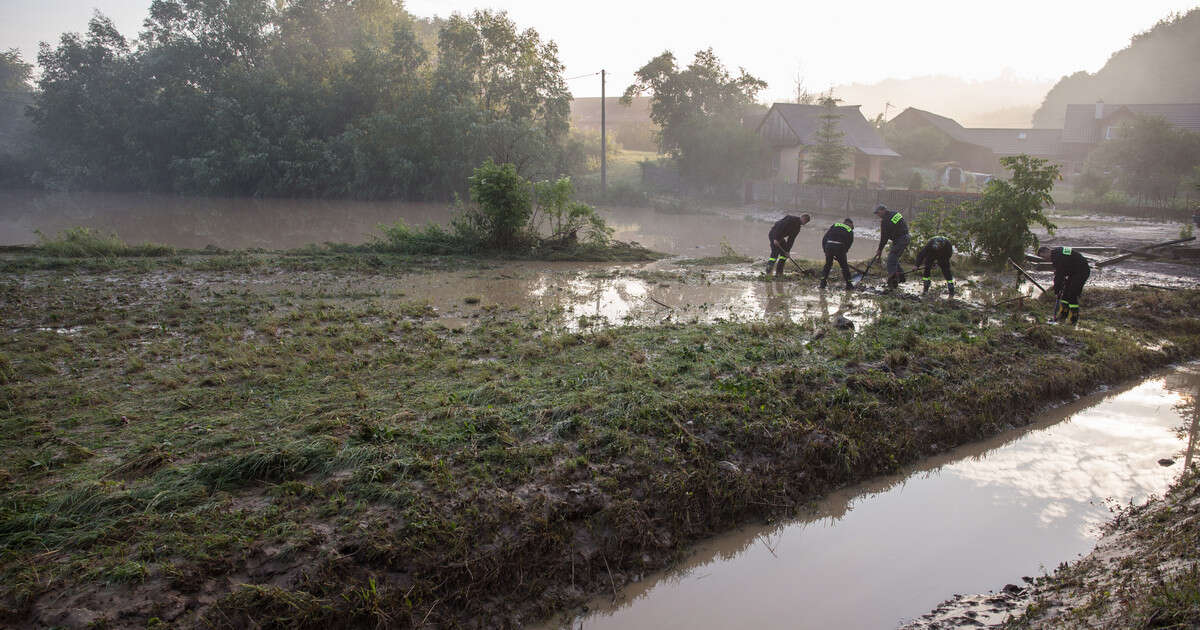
[(1026, 274), (858, 283), (798, 267)]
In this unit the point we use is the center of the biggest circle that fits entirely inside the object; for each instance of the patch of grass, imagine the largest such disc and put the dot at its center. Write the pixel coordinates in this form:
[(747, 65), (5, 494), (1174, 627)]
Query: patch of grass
[(315, 438), (82, 242)]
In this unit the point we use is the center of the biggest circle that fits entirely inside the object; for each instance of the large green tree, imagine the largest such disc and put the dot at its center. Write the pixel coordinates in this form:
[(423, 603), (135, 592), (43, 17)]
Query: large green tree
[(1000, 222), (299, 97), (1149, 158), (702, 115)]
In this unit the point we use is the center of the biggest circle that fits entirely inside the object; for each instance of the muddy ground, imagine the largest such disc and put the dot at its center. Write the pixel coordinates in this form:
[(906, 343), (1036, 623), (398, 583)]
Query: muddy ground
[(253, 439)]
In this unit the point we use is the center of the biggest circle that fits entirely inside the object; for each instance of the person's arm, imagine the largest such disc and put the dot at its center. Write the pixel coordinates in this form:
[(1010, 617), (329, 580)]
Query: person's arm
[(1059, 276)]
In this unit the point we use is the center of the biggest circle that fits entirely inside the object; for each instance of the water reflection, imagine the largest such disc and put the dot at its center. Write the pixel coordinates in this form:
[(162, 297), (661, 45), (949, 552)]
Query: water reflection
[(968, 521)]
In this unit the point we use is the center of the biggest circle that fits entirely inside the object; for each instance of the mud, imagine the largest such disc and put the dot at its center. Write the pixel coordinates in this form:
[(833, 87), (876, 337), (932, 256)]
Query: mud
[(982, 515)]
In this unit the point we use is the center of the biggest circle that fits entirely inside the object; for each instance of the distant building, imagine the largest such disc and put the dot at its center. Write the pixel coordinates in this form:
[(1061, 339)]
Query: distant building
[(1087, 125), (980, 150), (791, 128)]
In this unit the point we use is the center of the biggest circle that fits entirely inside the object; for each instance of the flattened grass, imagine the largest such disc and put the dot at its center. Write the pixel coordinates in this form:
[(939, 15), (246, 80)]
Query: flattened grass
[(387, 468)]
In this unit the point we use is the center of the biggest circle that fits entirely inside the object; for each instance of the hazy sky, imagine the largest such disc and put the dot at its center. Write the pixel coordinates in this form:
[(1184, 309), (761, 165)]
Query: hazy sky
[(827, 42)]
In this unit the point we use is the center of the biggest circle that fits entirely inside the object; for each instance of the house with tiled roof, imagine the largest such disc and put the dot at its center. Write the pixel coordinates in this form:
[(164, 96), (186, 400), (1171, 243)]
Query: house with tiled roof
[(791, 129), (980, 149)]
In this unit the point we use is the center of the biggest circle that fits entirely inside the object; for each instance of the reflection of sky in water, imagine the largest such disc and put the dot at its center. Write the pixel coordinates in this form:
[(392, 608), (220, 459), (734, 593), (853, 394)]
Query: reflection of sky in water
[(889, 551)]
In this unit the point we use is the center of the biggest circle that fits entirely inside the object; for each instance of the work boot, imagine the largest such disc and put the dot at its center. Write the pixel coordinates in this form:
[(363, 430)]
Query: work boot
[(1062, 312), (1074, 317), (824, 282), (770, 266), (893, 281), (779, 271), (926, 288), (849, 286), (950, 287)]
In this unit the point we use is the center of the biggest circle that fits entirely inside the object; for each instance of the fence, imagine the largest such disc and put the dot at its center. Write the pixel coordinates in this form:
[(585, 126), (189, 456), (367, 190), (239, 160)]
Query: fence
[(846, 200)]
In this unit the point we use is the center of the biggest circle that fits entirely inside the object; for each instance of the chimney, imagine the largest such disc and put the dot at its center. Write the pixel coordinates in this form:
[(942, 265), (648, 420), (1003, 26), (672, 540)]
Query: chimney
[(1099, 109)]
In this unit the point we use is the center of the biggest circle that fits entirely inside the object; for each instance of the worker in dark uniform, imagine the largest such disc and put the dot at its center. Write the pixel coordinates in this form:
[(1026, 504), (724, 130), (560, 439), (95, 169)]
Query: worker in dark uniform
[(836, 243), (937, 250), (782, 235), (1071, 270), (892, 227)]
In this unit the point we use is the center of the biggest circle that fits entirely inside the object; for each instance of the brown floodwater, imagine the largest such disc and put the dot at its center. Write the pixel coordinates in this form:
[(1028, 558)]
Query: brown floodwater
[(240, 222), (879, 554)]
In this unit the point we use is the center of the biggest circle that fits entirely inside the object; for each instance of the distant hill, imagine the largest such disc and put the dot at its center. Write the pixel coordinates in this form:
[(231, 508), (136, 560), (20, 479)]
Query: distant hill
[(1159, 66), (993, 103)]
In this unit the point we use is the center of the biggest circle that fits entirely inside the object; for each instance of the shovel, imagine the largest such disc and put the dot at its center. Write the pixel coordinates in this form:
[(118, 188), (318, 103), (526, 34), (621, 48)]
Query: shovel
[(858, 282)]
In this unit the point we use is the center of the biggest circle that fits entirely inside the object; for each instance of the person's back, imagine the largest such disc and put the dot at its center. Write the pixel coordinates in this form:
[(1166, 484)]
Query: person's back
[(937, 250), (836, 242), (782, 236)]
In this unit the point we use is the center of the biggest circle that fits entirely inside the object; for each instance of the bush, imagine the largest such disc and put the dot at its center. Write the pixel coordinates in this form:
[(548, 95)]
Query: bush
[(942, 219), (566, 218), (1001, 219), (502, 203)]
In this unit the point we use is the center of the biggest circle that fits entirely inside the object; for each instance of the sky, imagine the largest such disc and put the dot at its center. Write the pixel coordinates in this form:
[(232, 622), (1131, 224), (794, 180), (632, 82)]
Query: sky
[(826, 43)]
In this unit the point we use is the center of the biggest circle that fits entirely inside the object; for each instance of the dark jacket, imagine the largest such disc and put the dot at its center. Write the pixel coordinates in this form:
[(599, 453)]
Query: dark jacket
[(1067, 263), (785, 231), (938, 248), (840, 235), (891, 227)]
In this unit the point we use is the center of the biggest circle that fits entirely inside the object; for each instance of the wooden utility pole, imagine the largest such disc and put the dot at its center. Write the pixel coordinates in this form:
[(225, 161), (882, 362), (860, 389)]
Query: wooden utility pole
[(603, 143)]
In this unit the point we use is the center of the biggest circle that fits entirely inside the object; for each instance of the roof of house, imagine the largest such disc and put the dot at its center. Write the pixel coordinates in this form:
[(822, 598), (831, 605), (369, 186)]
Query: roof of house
[(1082, 126), (1035, 142), (949, 126), (805, 121)]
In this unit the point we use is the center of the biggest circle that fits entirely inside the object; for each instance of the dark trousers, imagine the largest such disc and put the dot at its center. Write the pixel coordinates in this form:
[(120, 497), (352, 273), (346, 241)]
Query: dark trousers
[(835, 251), (943, 263), (1073, 288), (778, 257)]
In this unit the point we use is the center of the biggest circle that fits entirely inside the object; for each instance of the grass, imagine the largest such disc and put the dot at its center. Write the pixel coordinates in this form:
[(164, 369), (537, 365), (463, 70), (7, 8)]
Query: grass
[(82, 242), (353, 462)]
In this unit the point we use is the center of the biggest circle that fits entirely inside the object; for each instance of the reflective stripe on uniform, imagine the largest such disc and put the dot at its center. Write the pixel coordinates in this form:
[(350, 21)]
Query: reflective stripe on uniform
[(926, 278), (844, 227), (1073, 305), (896, 217), (1066, 251)]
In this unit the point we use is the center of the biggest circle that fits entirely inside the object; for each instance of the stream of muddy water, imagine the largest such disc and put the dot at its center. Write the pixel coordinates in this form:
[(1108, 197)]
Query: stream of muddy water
[(879, 554)]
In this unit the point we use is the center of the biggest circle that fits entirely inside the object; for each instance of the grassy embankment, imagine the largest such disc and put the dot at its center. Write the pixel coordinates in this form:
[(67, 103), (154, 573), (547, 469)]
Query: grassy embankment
[(237, 453)]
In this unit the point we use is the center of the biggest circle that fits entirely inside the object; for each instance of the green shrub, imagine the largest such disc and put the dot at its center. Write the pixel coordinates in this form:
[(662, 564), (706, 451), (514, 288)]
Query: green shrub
[(502, 203)]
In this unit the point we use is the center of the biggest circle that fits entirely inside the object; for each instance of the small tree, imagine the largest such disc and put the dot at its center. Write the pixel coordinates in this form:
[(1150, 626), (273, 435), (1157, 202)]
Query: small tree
[(1000, 225), (503, 203), (565, 217), (829, 156)]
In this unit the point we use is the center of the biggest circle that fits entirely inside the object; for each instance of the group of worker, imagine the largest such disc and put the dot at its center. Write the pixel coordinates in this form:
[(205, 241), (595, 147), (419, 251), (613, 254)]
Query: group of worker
[(1071, 269)]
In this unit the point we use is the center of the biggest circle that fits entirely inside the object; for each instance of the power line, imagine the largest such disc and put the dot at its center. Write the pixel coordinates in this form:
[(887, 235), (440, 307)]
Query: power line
[(582, 76)]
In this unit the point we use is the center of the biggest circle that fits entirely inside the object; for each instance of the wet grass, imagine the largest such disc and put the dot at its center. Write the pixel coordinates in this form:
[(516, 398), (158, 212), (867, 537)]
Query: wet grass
[(353, 463)]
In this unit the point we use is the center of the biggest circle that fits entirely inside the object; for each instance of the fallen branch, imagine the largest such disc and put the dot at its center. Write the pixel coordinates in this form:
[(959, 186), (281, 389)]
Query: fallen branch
[(1026, 274)]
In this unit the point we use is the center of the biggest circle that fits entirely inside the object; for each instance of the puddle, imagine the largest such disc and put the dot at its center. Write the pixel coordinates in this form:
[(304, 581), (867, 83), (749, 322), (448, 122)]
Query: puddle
[(881, 553)]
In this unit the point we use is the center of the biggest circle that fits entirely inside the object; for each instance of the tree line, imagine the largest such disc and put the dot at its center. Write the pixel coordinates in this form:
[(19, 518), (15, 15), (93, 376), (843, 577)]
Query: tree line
[(300, 98)]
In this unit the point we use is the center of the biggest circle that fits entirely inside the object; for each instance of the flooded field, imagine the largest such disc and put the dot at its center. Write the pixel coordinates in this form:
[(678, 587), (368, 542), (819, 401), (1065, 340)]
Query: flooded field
[(881, 553), (236, 223)]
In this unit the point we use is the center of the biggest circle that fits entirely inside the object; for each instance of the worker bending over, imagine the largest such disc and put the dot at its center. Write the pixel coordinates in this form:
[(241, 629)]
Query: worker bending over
[(1071, 270), (782, 235), (836, 243), (892, 227), (937, 250)]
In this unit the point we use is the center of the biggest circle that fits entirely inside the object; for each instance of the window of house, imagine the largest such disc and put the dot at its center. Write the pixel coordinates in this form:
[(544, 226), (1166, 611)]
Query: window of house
[(1022, 135), (1110, 133)]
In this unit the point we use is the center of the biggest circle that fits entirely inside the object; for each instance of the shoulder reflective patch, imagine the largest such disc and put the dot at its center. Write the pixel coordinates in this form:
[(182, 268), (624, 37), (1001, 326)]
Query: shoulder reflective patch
[(896, 217), (1066, 251)]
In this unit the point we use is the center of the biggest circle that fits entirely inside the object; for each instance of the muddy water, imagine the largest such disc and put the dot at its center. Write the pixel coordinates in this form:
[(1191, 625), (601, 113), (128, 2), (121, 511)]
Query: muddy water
[(876, 555), (235, 223)]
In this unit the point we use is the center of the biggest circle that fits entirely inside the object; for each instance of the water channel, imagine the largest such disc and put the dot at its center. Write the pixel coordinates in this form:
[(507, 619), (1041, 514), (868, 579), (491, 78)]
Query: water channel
[(879, 554)]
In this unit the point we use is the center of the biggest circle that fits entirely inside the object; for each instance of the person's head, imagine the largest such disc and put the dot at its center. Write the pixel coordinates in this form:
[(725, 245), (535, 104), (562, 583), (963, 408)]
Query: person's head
[(1043, 252), (881, 210), (848, 221), (804, 219)]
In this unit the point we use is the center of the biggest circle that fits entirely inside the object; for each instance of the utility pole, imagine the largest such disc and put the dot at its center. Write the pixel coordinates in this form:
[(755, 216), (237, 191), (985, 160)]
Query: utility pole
[(603, 143)]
